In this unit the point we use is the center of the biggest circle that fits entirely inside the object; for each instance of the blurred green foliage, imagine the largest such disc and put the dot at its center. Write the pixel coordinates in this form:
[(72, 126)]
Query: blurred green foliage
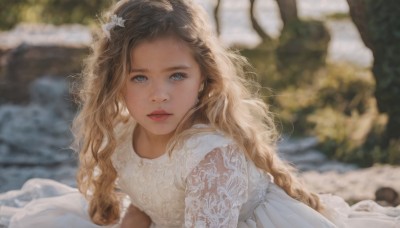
[(50, 11), (303, 46), (336, 101), (337, 105)]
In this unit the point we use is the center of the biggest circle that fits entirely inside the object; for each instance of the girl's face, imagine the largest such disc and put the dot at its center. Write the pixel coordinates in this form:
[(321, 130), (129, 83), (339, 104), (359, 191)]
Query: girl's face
[(163, 84)]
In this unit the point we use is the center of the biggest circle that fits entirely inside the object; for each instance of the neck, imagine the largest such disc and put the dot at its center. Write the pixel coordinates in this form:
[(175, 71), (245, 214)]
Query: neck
[(148, 145)]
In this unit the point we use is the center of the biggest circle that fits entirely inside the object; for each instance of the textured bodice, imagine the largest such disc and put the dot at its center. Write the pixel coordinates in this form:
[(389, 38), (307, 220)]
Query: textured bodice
[(172, 189)]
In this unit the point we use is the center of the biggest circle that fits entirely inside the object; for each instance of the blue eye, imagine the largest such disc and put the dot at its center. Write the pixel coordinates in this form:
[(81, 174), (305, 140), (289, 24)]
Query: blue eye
[(178, 76), (139, 78)]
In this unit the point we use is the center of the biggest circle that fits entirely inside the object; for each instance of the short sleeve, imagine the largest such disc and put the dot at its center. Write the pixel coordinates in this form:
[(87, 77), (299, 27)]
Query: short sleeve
[(196, 148), (216, 189)]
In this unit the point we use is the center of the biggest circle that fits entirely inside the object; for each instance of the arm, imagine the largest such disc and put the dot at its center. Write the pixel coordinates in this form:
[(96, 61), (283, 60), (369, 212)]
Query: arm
[(135, 218), (216, 189)]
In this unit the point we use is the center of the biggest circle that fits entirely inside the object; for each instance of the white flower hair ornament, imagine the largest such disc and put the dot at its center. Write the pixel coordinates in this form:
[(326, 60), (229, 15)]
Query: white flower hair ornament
[(115, 21)]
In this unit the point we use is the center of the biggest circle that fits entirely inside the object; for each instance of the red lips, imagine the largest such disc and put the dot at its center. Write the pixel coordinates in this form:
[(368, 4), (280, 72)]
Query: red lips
[(159, 115)]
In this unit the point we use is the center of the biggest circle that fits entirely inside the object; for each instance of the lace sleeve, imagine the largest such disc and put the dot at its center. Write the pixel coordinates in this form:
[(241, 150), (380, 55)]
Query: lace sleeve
[(216, 188)]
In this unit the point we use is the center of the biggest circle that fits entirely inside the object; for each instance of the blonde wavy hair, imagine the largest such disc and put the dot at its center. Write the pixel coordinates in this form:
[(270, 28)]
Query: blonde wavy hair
[(228, 102)]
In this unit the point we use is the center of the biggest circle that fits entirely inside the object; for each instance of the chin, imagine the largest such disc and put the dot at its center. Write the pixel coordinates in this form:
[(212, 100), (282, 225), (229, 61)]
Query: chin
[(161, 130)]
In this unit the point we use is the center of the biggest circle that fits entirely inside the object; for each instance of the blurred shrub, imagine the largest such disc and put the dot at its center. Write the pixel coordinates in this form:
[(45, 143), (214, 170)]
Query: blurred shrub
[(337, 87), (344, 88), (50, 11), (340, 109), (262, 60), (301, 51), (337, 106)]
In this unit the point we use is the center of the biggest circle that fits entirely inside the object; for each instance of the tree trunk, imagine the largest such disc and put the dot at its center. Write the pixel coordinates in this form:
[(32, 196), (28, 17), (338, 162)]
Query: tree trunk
[(288, 11), (264, 36), (216, 17), (358, 15), (379, 27)]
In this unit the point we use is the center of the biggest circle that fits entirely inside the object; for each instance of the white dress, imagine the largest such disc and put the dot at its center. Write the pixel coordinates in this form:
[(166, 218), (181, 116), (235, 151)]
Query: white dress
[(208, 182)]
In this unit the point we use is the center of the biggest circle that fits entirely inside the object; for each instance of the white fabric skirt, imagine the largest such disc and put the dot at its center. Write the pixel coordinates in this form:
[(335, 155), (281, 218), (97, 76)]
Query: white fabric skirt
[(47, 204), (280, 210)]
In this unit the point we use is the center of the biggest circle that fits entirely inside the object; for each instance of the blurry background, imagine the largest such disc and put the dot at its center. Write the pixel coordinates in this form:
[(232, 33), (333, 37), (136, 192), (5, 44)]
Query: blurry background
[(330, 69)]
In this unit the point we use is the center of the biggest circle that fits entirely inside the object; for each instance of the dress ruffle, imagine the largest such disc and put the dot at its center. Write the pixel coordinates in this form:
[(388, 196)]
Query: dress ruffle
[(280, 210)]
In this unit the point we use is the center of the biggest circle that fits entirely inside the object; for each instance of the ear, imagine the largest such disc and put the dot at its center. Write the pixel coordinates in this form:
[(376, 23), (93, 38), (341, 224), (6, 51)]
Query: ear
[(203, 84), (201, 88)]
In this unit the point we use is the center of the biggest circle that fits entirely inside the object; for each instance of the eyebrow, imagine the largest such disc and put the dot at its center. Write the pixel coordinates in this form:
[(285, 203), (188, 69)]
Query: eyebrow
[(173, 68)]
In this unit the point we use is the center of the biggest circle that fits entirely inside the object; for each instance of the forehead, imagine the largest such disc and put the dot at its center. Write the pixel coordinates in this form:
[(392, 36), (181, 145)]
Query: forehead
[(165, 50)]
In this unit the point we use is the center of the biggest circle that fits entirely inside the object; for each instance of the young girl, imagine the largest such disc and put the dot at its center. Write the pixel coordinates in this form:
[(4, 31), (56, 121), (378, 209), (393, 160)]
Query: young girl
[(165, 111), (169, 119)]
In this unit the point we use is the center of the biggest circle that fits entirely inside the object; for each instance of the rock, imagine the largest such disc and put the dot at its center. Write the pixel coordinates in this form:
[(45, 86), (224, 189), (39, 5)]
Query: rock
[(13, 177), (29, 52), (39, 133), (53, 94), (387, 196)]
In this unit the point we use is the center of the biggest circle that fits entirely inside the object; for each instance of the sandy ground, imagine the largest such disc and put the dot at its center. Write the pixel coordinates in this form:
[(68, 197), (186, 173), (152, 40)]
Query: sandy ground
[(354, 185)]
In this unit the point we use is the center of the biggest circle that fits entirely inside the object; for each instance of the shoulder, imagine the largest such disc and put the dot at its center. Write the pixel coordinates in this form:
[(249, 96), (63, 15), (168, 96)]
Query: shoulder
[(205, 140), (202, 143)]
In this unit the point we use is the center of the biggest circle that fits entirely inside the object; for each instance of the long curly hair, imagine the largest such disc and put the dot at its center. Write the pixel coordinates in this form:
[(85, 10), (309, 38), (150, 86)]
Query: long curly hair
[(229, 101)]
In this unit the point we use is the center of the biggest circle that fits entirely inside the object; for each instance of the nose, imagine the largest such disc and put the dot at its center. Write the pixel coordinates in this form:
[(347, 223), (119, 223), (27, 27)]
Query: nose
[(159, 93)]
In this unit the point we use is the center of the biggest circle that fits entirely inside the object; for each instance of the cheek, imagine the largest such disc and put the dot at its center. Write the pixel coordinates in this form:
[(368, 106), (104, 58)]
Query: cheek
[(133, 109), (190, 95), (131, 94), (131, 100)]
